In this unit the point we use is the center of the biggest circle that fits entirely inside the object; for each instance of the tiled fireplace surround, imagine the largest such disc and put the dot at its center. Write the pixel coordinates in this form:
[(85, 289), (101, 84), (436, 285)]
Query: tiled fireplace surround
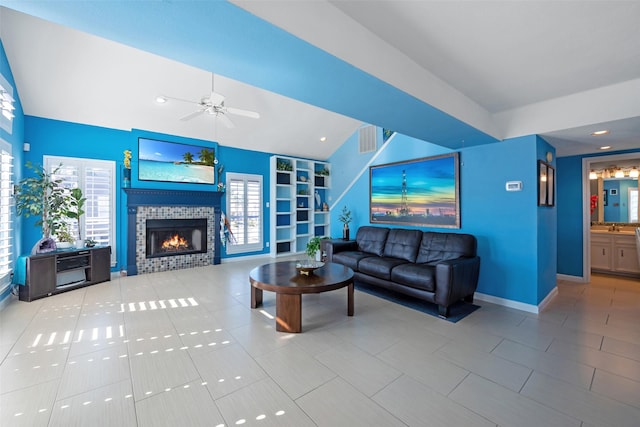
[(143, 204)]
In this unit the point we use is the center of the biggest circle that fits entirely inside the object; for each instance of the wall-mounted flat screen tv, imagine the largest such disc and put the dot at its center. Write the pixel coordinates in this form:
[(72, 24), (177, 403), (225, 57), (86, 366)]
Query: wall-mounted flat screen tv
[(174, 162)]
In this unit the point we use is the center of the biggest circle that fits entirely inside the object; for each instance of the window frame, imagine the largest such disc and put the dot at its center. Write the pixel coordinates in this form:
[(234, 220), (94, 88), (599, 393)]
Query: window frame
[(82, 163), (7, 187), (235, 248)]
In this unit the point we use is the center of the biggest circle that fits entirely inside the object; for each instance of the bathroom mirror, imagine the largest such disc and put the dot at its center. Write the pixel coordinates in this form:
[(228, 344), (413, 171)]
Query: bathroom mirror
[(617, 194)]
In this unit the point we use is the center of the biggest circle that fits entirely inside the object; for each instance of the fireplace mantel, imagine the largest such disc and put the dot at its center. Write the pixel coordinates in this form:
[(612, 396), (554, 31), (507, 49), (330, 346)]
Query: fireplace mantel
[(151, 197)]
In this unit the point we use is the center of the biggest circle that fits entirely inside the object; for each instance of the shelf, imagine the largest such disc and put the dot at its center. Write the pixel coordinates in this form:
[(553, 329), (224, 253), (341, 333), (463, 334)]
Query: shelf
[(295, 216)]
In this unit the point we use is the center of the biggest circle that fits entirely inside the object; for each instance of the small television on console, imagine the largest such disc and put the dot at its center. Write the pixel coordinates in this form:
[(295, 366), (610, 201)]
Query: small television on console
[(175, 162)]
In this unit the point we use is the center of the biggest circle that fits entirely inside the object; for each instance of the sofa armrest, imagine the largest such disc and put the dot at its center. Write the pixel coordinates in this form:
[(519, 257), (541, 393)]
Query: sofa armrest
[(456, 279), (333, 246)]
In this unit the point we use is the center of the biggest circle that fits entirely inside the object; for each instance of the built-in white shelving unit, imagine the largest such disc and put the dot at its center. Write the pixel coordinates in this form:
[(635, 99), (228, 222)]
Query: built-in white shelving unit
[(299, 194)]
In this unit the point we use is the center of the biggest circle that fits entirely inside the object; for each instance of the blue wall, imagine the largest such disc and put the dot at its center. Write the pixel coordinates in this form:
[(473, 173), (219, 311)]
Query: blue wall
[(15, 138), (518, 255), (58, 138)]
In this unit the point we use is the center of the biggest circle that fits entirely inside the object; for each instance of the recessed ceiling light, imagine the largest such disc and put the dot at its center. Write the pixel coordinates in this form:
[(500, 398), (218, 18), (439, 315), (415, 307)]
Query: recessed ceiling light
[(605, 147), (599, 132), (323, 139), (161, 99)]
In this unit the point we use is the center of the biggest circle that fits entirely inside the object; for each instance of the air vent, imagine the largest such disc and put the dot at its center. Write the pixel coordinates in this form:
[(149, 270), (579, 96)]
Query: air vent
[(367, 139)]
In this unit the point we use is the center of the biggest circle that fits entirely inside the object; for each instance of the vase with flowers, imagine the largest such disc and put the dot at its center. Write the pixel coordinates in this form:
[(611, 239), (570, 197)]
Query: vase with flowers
[(126, 173)]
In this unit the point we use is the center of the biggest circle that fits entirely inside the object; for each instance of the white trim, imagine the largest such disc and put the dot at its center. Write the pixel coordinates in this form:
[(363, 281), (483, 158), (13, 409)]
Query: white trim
[(232, 249), (586, 208), (266, 257), (529, 308), (567, 278)]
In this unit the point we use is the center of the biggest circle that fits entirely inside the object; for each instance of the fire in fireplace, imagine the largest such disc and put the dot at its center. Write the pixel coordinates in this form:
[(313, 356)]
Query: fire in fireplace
[(168, 237)]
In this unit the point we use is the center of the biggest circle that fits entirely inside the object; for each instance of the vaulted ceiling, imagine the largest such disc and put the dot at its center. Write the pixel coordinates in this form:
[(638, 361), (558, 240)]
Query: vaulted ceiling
[(453, 73)]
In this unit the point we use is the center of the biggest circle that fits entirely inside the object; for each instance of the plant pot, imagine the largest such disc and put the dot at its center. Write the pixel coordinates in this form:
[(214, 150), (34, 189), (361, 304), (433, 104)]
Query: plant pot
[(345, 232), (126, 178)]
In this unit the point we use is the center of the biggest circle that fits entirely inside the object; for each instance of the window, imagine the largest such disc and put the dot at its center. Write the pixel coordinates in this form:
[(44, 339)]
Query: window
[(96, 179), (6, 233), (244, 212), (633, 205)]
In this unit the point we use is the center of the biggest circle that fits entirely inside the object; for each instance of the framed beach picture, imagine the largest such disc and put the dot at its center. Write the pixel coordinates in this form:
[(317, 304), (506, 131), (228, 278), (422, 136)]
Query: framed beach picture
[(174, 162), (423, 192)]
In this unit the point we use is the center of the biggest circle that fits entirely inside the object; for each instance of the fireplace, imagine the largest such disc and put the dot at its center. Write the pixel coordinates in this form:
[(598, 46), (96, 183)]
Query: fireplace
[(170, 237), (172, 205)]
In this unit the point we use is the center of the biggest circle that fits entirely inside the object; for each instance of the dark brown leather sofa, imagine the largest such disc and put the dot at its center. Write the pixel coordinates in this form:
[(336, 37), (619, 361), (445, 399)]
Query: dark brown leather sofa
[(438, 267)]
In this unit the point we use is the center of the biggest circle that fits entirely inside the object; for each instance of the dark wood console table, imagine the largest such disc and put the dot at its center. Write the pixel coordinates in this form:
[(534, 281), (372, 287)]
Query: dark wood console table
[(65, 269)]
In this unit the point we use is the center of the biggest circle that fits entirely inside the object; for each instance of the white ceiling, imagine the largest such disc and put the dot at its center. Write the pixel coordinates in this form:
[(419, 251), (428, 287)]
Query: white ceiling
[(507, 68)]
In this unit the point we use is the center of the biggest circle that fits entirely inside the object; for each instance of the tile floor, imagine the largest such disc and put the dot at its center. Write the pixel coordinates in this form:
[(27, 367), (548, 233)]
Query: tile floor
[(183, 348)]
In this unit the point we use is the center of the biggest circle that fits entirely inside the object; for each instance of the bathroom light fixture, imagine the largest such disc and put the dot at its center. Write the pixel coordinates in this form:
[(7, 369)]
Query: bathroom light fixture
[(634, 173), (619, 174), (593, 175), (600, 132)]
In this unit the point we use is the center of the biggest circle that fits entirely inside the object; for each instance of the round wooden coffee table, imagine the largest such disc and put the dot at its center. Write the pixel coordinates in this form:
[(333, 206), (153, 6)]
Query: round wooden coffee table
[(289, 285)]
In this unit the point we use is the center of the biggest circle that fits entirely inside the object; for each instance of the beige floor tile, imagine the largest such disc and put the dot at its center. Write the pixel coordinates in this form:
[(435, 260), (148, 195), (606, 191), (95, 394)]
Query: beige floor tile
[(93, 370), (160, 366), (227, 370), (579, 403), (429, 369), (337, 403), (108, 406), (189, 336), (547, 363), (505, 407), (295, 370), (621, 348), (185, 405), (616, 387), (28, 407), (414, 404), (501, 371), (598, 359), (262, 403), (366, 373), (29, 369)]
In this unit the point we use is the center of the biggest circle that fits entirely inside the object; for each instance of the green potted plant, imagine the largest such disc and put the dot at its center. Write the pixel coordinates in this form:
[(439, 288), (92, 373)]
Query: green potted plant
[(74, 210), (43, 197), (345, 219), (313, 246)]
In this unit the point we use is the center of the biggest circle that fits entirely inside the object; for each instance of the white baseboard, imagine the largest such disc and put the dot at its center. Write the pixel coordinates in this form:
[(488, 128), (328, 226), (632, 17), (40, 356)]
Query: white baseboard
[(246, 258), (529, 308), (567, 278)]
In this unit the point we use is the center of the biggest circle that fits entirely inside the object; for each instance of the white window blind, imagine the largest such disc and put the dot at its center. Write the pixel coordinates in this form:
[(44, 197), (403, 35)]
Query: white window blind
[(244, 212), (6, 232), (96, 179)]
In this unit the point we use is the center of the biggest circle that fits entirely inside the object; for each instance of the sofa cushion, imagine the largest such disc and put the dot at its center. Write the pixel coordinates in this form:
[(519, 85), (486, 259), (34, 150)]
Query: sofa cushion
[(379, 266), (419, 276), (372, 239), (444, 246), (350, 258), (403, 244)]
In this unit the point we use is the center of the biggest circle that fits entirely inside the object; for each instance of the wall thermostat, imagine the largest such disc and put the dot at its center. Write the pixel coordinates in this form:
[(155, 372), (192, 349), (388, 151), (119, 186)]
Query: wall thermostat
[(514, 185)]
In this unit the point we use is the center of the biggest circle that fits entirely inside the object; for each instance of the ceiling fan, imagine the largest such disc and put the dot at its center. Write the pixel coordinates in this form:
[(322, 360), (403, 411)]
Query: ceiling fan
[(214, 104)]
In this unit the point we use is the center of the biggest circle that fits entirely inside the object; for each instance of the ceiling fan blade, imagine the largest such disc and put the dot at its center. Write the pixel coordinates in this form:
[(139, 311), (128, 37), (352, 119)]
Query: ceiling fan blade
[(225, 120), (191, 115), (244, 113)]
